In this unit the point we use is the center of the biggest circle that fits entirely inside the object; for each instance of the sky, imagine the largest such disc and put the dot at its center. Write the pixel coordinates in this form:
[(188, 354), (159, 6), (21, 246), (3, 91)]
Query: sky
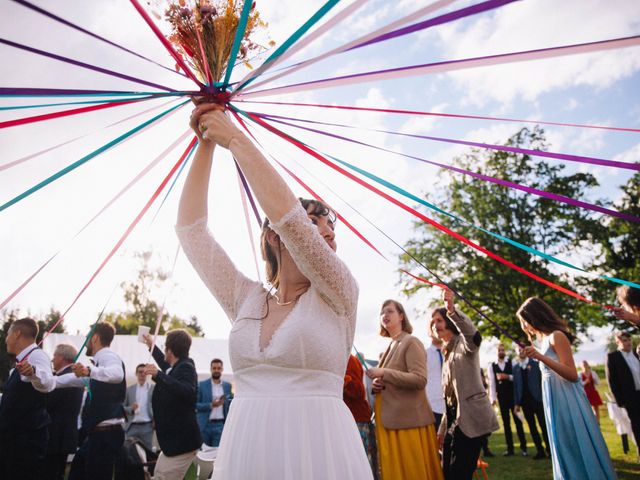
[(593, 88)]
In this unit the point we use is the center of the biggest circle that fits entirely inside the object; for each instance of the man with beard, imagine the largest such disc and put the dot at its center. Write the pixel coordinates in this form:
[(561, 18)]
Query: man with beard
[(501, 389), (103, 413), (63, 406), (23, 416), (214, 398)]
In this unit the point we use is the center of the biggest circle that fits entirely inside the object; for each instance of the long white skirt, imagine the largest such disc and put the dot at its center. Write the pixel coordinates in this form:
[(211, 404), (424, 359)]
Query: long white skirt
[(290, 436)]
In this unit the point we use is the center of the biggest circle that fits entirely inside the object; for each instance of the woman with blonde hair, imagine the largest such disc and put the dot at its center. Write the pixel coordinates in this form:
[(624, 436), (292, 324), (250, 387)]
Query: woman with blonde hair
[(577, 447), (405, 432)]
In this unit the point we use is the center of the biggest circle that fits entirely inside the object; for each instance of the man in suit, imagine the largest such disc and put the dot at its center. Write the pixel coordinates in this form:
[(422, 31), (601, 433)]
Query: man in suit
[(103, 412), (63, 406), (23, 415), (174, 405), (527, 390), (623, 375), (139, 410), (501, 389), (214, 399)]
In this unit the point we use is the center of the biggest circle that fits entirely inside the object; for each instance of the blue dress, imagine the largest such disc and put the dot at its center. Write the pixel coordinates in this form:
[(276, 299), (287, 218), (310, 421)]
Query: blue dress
[(578, 449)]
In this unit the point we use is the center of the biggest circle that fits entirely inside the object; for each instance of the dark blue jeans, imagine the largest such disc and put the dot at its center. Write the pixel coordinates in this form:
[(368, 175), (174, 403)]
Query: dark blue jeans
[(212, 433)]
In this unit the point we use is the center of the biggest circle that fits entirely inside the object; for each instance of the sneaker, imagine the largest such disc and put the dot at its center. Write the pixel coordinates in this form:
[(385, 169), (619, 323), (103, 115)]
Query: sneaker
[(539, 456), (508, 453)]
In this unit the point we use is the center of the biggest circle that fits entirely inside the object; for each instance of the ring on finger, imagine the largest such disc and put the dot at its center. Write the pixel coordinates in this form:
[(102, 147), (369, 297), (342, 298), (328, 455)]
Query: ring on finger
[(202, 127)]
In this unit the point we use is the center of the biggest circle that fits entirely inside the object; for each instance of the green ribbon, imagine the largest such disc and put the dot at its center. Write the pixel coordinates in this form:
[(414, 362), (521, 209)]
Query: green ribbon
[(242, 26), (86, 158), (293, 38), (88, 102)]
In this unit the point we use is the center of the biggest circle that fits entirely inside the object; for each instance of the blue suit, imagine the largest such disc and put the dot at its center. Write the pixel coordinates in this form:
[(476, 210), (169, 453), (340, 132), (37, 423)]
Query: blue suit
[(527, 393), (211, 430), (534, 381)]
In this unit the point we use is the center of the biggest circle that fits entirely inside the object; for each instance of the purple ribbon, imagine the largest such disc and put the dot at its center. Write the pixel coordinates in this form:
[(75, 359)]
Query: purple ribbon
[(504, 148), (505, 183), (247, 190), (432, 22), (84, 65), (46, 13)]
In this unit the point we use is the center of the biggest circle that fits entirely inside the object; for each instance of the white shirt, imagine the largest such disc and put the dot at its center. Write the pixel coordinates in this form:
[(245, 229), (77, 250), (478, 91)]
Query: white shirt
[(43, 380), (434, 379), (217, 413), (142, 397), (107, 368), (522, 363), (634, 366), (493, 393)]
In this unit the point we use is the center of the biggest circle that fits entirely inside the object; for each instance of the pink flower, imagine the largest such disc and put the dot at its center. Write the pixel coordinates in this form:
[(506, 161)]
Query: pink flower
[(185, 12)]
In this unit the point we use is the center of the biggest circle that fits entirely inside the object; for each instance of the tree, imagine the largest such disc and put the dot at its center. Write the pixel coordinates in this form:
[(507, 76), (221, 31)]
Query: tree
[(551, 227), (142, 309)]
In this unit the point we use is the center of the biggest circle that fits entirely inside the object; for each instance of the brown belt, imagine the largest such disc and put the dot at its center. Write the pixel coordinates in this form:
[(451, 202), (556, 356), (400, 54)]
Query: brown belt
[(106, 428)]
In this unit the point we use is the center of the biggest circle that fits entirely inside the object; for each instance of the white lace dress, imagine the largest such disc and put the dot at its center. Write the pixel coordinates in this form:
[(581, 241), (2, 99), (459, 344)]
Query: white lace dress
[(288, 420)]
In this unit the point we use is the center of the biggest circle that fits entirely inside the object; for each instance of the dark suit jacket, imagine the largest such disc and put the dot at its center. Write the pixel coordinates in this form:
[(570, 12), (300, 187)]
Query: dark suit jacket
[(203, 404), (534, 381), (63, 405), (174, 406), (620, 378)]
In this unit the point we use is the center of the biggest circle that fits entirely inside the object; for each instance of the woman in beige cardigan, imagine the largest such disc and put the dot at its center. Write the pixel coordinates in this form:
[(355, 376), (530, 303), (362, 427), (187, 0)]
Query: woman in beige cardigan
[(405, 432)]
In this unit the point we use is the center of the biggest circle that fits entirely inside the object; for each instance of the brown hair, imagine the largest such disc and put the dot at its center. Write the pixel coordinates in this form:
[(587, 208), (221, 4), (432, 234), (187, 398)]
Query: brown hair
[(630, 296), (406, 324), (537, 313), (449, 325), (623, 335), (26, 326), (273, 258), (179, 342), (105, 332)]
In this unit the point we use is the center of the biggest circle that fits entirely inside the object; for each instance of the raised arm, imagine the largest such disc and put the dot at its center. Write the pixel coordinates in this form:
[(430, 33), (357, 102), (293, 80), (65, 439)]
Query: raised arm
[(469, 334)]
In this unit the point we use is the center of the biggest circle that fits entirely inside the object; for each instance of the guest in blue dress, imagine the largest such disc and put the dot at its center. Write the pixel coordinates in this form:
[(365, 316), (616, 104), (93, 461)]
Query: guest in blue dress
[(578, 449)]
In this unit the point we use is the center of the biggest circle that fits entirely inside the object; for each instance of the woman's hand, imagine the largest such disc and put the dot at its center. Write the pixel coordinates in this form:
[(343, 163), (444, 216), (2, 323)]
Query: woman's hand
[(194, 120), (375, 372), (449, 303), (214, 125), (377, 385), (440, 442), (627, 316), (533, 352)]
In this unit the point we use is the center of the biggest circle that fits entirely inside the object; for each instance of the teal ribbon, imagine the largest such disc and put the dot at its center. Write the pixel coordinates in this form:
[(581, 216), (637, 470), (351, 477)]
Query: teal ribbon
[(242, 26), (435, 208), (361, 358), (86, 158), (315, 18), (175, 179), (88, 102)]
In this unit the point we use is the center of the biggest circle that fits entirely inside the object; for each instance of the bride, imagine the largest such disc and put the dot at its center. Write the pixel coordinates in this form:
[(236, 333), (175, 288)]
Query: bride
[(288, 345)]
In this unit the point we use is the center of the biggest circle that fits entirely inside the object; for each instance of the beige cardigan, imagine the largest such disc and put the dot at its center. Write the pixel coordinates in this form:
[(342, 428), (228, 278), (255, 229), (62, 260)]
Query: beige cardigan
[(404, 400)]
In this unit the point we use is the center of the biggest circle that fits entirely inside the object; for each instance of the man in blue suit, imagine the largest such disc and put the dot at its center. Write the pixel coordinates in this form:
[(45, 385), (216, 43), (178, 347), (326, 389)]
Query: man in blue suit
[(528, 396), (214, 399)]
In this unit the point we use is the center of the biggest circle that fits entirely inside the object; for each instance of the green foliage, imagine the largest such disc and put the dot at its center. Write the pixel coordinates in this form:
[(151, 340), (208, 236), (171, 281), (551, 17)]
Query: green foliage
[(554, 228), (142, 309)]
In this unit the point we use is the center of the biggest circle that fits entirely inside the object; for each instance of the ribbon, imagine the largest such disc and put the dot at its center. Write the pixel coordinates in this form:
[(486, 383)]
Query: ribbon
[(41, 152), (135, 180), (442, 283), (505, 183), (487, 146), (414, 212), (448, 66), (175, 179), (242, 26), (397, 23), (68, 92), (245, 185), (77, 63), (127, 232), (176, 56), (46, 13), (269, 62), (164, 301), (444, 115), (86, 158), (245, 209), (64, 104), (65, 113)]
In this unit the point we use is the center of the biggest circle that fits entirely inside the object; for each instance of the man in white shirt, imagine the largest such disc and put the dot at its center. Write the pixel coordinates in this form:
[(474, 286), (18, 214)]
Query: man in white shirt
[(623, 375), (137, 406), (23, 415), (434, 378), (103, 412)]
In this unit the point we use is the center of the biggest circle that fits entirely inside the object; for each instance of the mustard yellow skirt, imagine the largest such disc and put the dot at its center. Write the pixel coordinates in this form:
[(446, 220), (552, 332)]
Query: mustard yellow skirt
[(407, 454)]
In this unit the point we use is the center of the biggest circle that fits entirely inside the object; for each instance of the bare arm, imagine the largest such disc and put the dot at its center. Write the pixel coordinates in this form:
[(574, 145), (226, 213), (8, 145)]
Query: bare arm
[(565, 367)]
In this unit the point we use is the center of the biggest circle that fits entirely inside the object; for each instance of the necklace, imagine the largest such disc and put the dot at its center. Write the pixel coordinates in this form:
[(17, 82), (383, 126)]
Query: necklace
[(282, 304)]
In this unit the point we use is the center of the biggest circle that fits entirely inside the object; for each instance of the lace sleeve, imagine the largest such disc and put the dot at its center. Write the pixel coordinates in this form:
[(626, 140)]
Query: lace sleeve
[(227, 284), (317, 261)]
